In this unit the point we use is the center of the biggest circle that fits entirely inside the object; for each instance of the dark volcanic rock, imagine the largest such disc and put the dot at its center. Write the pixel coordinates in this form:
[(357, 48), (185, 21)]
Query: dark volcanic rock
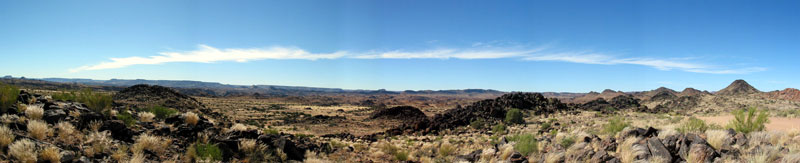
[(54, 115), (657, 149), (143, 96), (400, 112), (491, 110), (118, 130)]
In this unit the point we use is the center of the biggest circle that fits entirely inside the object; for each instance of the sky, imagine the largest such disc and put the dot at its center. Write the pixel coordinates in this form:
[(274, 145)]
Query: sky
[(559, 46)]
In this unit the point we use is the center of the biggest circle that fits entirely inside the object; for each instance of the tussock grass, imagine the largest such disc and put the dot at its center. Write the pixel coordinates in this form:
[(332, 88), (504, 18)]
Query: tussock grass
[(23, 150), (6, 136), (525, 144), (155, 144), (38, 129), (52, 154), (146, 117), (34, 112), (191, 118), (717, 138), (615, 125), (67, 133)]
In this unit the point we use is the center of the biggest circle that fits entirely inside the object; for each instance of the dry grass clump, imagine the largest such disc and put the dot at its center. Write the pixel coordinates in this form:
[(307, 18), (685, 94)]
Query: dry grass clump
[(248, 145), (38, 129), (52, 154), (6, 136), (34, 112), (238, 127), (554, 157), (191, 118), (146, 117), (98, 142), (137, 158), (791, 158), (67, 134), (628, 150), (9, 118), (663, 134), (717, 138), (95, 125), (120, 154), (155, 144), (23, 150)]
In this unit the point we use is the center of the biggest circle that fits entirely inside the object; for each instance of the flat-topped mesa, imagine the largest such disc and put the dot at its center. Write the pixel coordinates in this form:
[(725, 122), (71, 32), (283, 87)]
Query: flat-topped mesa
[(738, 87)]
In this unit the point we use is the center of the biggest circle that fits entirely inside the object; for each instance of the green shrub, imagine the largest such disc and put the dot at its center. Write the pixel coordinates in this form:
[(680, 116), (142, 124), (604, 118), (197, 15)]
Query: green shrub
[(545, 126), (8, 96), (160, 111), (207, 151), (693, 125), (477, 124), (499, 129), (746, 121), (526, 143), (514, 116), (401, 156), (615, 125), (98, 102), (126, 117), (566, 142), (446, 150)]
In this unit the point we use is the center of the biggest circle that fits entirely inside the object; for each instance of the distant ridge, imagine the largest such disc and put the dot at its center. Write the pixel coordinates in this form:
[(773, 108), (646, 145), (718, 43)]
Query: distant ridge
[(738, 87), (786, 94), (692, 92)]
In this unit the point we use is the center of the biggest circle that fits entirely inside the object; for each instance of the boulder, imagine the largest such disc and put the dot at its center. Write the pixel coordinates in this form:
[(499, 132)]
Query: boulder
[(118, 130), (516, 157), (702, 152), (54, 116), (657, 149)]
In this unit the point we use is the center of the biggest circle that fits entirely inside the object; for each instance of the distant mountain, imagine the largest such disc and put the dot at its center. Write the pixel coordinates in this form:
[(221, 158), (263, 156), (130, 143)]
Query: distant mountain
[(738, 87), (692, 92)]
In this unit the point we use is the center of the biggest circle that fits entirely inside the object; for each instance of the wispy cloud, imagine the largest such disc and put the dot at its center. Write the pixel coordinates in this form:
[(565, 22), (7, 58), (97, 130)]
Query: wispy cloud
[(208, 54), (661, 64)]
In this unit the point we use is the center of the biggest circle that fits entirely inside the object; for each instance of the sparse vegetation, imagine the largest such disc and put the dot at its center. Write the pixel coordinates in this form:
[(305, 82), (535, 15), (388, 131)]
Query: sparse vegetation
[(615, 125), (746, 120), (126, 118), (8, 96), (160, 111), (207, 151), (514, 116), (567, 141), (693, 125), (499, 129), (525, 143), (6, 136), (98, 102), (478, 124)]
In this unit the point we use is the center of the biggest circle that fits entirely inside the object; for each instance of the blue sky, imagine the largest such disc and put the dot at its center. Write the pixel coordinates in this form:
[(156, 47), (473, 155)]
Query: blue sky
[(564, 46)]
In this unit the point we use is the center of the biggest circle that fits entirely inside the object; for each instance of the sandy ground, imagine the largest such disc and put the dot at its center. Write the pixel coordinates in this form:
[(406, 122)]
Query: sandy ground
[(775, 123)]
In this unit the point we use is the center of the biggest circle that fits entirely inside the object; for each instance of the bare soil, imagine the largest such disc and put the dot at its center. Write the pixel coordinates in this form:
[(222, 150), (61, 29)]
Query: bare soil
[(775, 123)]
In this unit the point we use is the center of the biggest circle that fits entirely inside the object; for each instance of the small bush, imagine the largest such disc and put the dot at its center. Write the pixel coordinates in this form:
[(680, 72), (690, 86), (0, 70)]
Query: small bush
[(191, 118), (693, 125), (566, 142), (38, 129), (6, 136), (526, 143), (126, 117), (446, 149), (401, 156), (8, 96), (23, 150), (478, 124), (746, 121), (34, 112), (207, 151), (160, 111), (499, 129), (615, 125), (146, 116), (514, 116)]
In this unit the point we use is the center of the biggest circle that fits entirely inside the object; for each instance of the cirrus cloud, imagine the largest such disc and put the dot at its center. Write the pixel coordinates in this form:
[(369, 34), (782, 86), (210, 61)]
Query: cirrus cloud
[(208, 54)]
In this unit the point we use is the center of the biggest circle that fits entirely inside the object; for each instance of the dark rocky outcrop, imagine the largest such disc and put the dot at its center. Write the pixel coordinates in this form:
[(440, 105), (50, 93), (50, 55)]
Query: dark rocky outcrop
[(400, 112), (490, 110), (143, 96)]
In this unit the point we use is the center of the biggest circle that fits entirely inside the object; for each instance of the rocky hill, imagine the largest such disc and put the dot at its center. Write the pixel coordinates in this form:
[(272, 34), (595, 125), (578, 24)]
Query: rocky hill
[(786, 94), (738, 87)]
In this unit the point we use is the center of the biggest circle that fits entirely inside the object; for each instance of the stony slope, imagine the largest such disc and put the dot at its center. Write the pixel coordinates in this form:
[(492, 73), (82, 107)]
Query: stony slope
[(738, 87)]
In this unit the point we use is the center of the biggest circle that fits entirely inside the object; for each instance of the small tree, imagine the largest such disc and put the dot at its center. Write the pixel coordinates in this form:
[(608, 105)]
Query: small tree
[(746, 121), (514, 116)]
